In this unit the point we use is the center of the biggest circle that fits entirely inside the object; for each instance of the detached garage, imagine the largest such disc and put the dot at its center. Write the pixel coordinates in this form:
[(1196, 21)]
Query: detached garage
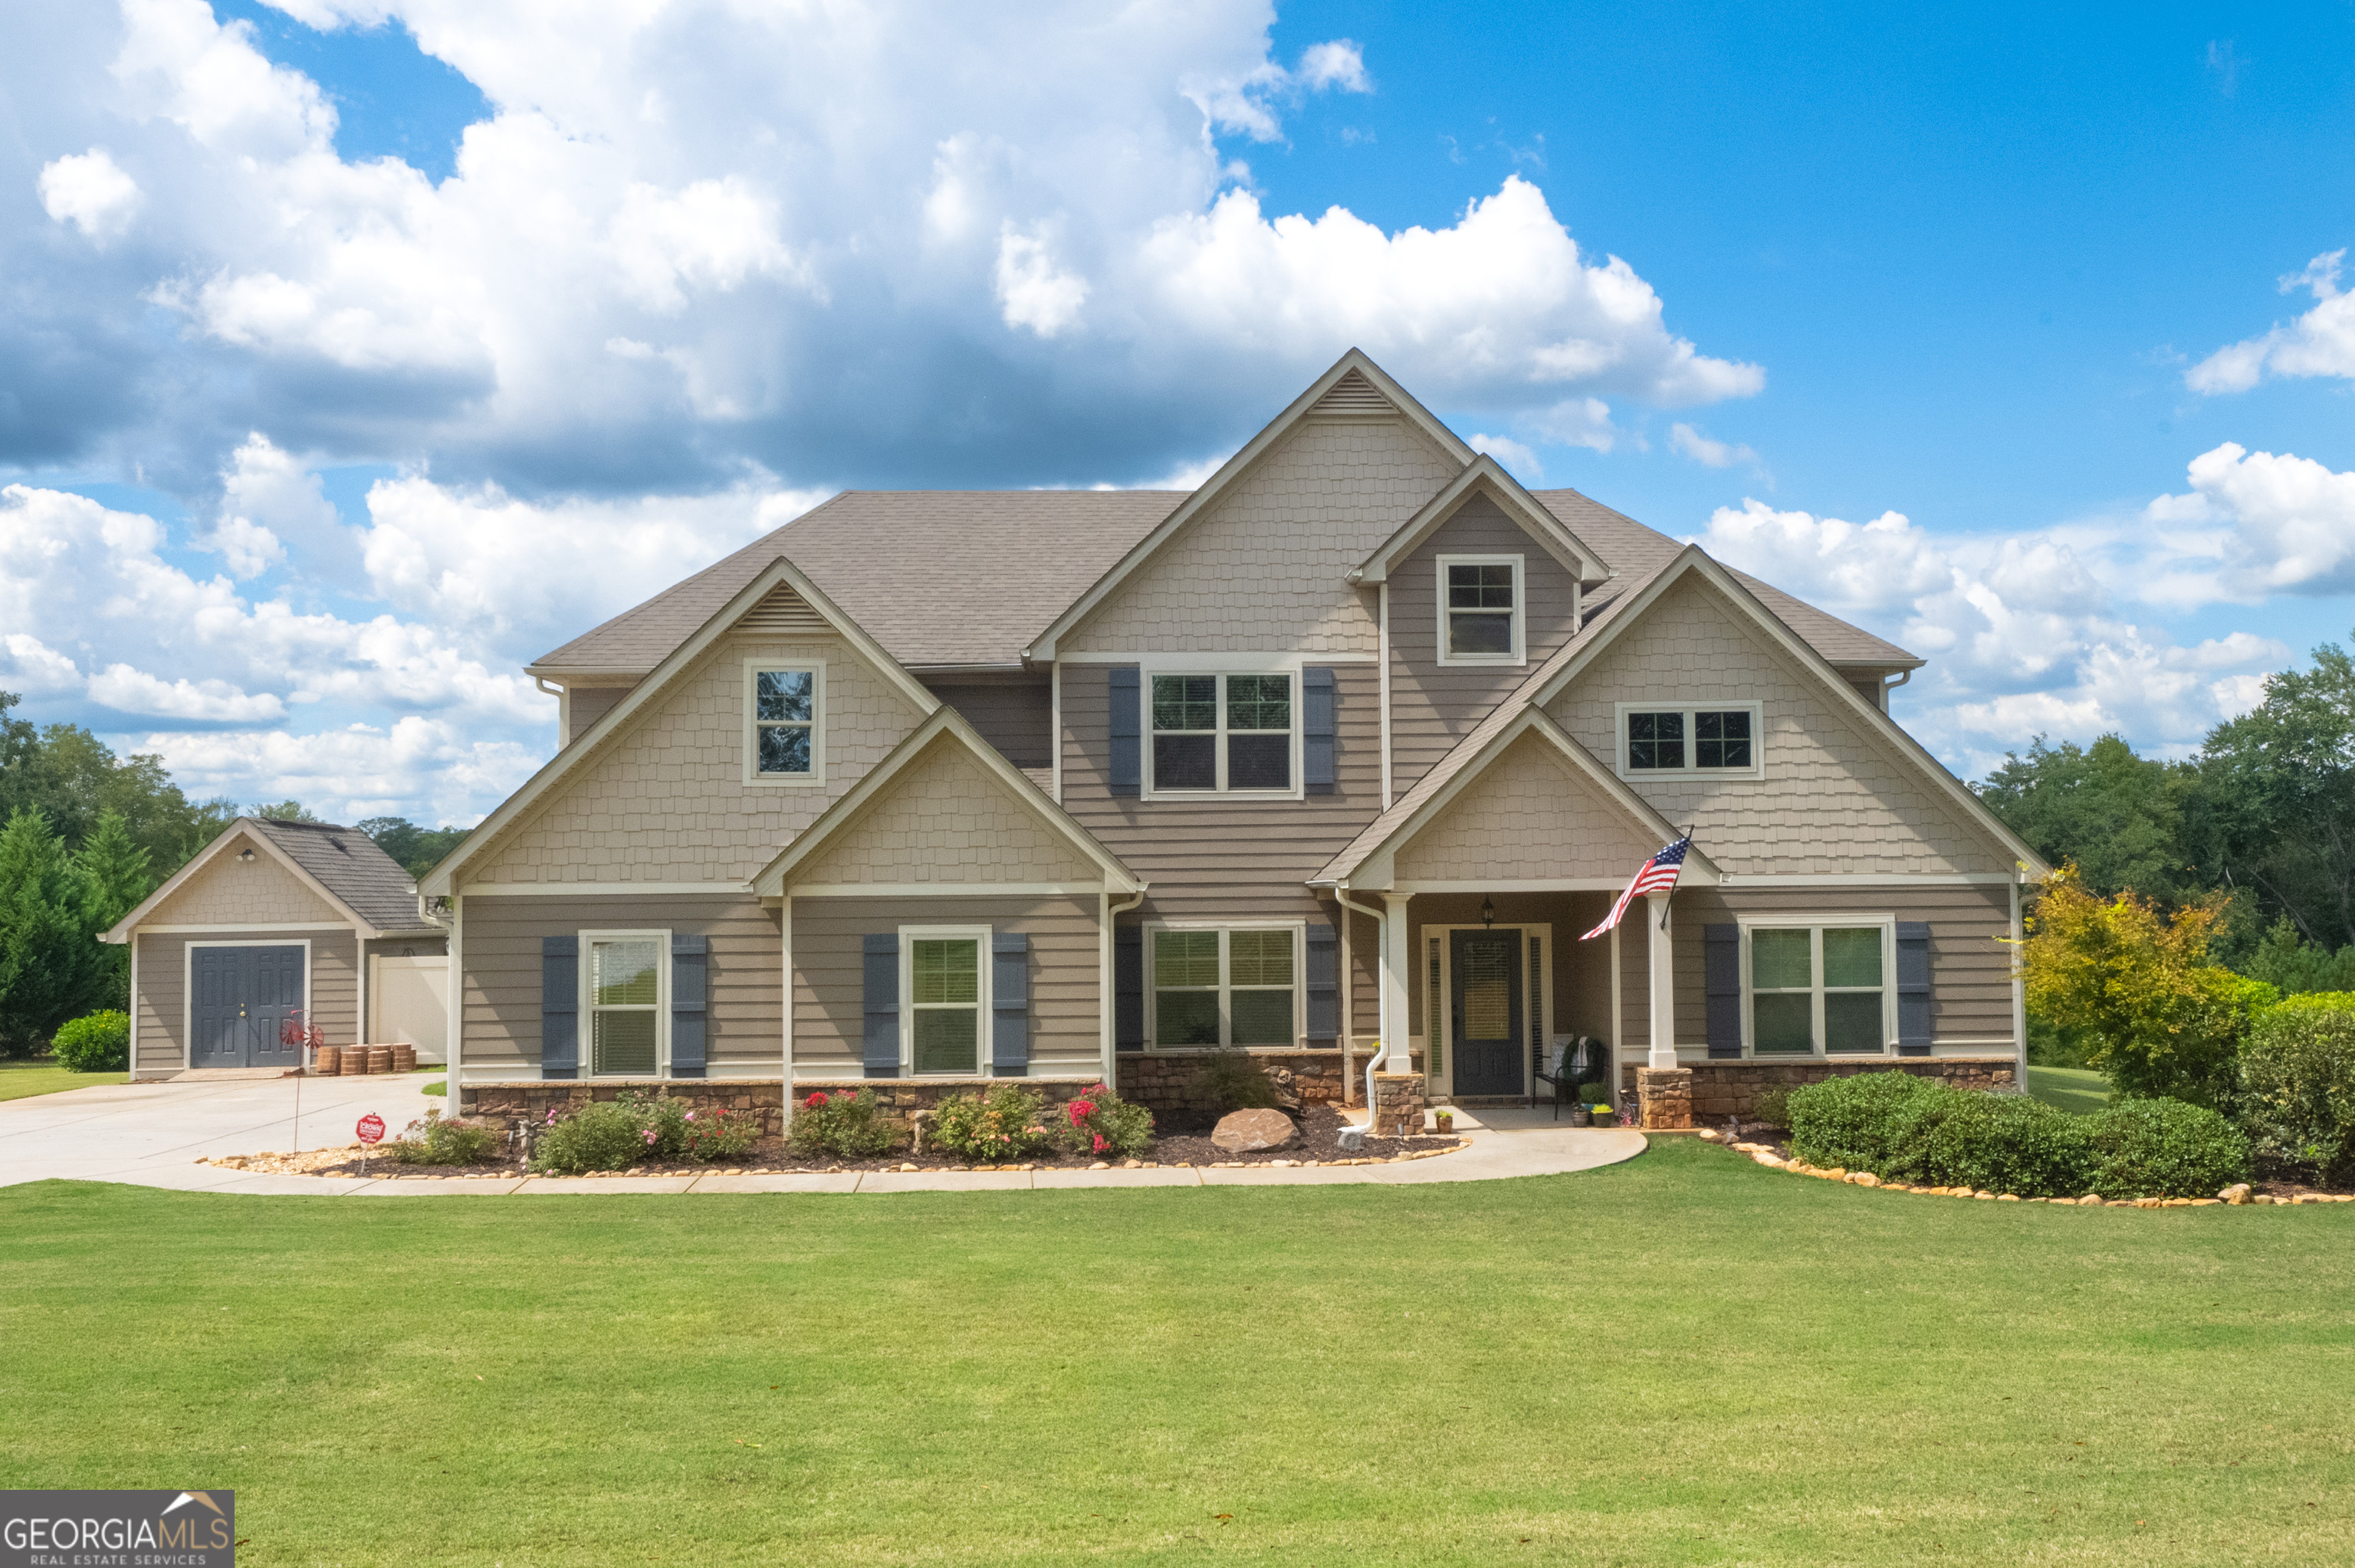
[(273, 921)]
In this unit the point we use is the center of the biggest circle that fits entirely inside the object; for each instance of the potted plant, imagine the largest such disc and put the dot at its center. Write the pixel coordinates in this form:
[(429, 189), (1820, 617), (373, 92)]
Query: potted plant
[(1578, 1116), (1603, 1116), (1443, 1121)]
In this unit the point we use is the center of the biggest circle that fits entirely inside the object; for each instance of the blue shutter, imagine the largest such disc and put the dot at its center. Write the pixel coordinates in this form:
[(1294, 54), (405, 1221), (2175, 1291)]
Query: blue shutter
[(881, 950), (1009, 1001), (691, 959), (1721, 970), (1324, 985), (1126, 772), (560, 1007), (1128, 988), (1912, 988), (1316, 701)]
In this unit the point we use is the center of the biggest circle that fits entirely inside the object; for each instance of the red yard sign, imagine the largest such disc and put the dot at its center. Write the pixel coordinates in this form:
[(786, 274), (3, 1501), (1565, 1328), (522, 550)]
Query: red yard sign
[(371, 1128)]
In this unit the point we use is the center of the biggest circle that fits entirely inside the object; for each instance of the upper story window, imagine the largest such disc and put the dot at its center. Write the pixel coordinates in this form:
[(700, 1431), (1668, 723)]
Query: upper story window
[(783, 718), (1480, 609), (1696, 741), (1222, 733)]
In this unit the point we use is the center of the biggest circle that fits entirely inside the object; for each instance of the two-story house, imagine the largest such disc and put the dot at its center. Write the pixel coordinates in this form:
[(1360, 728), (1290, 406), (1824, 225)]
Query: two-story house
[(1338, 754)]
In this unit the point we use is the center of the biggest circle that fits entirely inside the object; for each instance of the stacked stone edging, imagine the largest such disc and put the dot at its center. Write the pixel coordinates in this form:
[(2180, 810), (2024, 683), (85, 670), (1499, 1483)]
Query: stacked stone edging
[(1732, 1088)]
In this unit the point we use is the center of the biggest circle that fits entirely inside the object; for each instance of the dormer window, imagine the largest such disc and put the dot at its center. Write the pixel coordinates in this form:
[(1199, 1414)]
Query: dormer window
[(783, 707), (1480, 609)]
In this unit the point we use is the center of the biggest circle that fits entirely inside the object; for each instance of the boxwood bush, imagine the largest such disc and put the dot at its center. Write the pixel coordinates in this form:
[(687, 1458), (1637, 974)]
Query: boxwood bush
[(2297, 1083), (97, 1044), (2164, 1149), (1851, 1121), (1946, 1137)]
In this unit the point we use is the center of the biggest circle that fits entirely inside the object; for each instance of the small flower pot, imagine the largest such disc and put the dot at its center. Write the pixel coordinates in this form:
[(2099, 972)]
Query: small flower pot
[(1443, 1123), (1577, 1118)]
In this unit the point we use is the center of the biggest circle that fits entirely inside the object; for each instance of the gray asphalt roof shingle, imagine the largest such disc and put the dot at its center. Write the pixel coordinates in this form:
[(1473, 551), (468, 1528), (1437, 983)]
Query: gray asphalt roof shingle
[(348, 864)]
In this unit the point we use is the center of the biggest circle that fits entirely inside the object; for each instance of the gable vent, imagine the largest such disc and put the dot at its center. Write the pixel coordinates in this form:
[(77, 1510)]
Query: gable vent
[(1353, 394), (783, 610)]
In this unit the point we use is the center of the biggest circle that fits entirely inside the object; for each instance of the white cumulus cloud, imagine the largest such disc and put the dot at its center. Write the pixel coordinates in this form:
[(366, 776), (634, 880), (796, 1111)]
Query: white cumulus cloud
[(1685, 439), (89, 191), (2319, 343)]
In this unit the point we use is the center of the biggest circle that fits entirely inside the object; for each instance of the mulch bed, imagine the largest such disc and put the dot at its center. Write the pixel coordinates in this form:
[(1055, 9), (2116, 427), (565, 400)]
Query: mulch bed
[(1184, 1144), (2280, 1186)]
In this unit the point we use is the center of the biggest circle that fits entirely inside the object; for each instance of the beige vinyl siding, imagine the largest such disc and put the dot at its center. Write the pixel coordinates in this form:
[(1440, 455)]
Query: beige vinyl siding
[(947, 819), (226, 891), (1834, 797), (1433, 706), (1970, 965), (500, 951), (1526, 815), (1267, 563), (666, 801), (829, 975), (1016, 716), (584, 706), (163, 1001), (1224, 857)]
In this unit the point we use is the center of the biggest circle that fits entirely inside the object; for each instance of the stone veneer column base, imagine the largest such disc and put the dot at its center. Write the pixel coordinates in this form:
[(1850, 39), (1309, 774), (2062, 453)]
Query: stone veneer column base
[(1398, 1105), (1664, 1099)]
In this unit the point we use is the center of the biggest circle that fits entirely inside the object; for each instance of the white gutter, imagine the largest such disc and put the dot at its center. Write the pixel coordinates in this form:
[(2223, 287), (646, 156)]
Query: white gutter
[(1341, 895)]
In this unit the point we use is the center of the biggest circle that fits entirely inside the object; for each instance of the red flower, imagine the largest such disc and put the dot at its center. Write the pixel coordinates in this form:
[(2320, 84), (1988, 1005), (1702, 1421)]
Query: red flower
[(1101, 1145), (1079, 1110), (817, 1098)]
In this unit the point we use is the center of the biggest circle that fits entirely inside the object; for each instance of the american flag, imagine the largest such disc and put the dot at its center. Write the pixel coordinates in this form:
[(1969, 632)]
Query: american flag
[(1658, 874)]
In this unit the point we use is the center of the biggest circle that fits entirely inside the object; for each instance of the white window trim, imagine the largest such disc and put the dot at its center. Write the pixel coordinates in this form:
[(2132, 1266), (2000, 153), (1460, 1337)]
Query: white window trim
[(1520, 654), (1886, 924), (1290, 669), (189, 989), (815, 777), (1757, 711), (586, 962), (1440, 1013), (1299, 929), (984, 961)]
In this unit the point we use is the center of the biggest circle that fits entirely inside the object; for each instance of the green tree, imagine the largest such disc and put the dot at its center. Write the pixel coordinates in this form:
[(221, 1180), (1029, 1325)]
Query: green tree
[(51, 966), (2119, 817), (73, 778), (114, 878), (283, 812), (418, 849), (2274, 814)]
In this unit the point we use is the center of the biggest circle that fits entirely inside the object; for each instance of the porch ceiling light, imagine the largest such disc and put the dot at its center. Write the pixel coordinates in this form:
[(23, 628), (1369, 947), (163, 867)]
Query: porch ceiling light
[(1488, 911)]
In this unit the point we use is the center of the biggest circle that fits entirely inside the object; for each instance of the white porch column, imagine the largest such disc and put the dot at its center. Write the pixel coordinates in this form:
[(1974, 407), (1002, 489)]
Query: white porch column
[(1664, 980), (1397, 963)]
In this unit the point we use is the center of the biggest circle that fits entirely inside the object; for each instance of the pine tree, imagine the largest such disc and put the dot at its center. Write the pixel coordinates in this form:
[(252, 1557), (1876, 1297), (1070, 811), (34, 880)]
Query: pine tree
[(52, 966), (115, 877)]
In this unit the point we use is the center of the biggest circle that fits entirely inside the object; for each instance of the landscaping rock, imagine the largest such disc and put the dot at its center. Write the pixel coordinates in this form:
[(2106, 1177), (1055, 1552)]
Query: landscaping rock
[(1247, 1131), (2238, 1192)]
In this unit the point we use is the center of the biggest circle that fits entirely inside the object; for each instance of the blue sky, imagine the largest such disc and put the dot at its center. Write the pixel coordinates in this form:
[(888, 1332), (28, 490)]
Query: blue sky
[(1978, 274)]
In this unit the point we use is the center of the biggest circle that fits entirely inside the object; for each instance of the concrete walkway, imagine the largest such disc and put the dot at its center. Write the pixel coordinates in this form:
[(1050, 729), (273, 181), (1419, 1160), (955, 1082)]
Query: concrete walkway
[(152, 1135)]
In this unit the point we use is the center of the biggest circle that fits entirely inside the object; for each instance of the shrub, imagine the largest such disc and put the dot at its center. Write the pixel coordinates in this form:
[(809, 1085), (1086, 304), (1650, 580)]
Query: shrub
[(1102, 1125), (612, 1135), (848, 1126), (1850, 1121), (1773, 1108), (2298, 1082), (433, 1140), (1946, 1137), (993, 1128), (1593, 1094), (1231, 1081), (100, 1043), (719, 1134), (2165, 1148)]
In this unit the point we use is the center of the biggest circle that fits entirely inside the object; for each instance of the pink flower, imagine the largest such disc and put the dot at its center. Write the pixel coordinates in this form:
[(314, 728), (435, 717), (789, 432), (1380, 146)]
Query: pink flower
[(1095, 1089), (1101, 1144), (690, 1115), (1079, 1110), (650, 1138)]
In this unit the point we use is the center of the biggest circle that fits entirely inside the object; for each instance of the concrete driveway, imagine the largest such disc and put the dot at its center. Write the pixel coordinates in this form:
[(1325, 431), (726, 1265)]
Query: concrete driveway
[(153, 1134)]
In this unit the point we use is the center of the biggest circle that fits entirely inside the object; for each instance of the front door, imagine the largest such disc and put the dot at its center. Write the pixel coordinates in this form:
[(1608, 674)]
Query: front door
[(244, 997), (1486, 966)]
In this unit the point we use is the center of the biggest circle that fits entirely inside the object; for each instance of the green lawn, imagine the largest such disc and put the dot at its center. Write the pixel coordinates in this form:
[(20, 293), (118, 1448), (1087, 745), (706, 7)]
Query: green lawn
[(1681, 1359), (23, 1080), (2072, 1088)]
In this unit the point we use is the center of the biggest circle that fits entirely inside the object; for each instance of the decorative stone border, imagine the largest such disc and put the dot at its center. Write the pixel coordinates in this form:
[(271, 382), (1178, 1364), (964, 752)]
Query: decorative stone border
[(2236, 1195)]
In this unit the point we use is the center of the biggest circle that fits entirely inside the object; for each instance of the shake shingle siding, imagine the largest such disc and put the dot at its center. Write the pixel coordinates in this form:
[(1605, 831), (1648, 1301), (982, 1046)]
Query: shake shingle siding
[(231, 892), (1525, 816), (946, 819)]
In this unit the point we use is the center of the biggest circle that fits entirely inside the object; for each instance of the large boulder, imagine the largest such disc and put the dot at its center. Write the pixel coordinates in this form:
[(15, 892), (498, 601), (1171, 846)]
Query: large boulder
[(1246, 1131)]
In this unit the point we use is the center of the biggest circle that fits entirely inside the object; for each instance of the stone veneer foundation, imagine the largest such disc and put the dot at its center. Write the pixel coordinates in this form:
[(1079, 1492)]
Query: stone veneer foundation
[(533, 1099), (1398, 1105), (1164, 1082), (1664, 1099), (1732, 1088)]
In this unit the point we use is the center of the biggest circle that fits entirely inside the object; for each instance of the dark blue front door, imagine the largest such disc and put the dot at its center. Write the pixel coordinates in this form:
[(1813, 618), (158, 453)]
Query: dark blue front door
[(241, 1000), (1485, 967)]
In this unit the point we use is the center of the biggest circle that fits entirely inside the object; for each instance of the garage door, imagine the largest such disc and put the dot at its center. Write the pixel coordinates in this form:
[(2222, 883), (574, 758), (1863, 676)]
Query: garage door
[(244, 997)]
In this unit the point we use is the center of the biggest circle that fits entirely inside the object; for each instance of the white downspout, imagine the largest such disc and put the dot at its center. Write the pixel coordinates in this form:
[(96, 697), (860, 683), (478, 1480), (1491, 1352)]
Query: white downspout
[(1382, 995)]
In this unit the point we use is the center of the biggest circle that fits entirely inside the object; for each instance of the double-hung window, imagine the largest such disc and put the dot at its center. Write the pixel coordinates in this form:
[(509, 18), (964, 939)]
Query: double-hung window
[(1480, 609), (1214, 987), (1819, 989), (1231, 734), (782, 703), (625, 1003), (1720, 741), (945, 987)]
